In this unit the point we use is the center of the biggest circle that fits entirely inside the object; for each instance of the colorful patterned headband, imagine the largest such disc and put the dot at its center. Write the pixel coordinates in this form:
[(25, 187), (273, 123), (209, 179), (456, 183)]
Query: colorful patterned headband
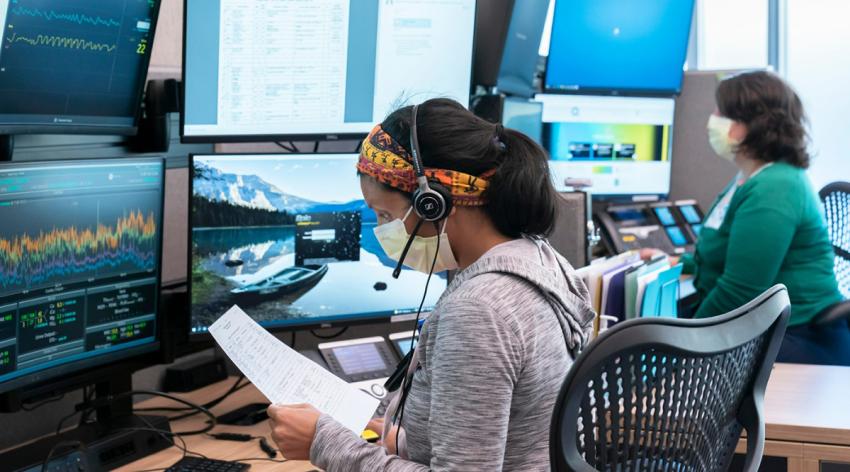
[(390, 163)]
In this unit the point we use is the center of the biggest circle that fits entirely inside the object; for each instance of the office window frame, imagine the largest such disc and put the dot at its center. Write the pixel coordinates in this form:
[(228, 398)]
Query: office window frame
[(775, 37)]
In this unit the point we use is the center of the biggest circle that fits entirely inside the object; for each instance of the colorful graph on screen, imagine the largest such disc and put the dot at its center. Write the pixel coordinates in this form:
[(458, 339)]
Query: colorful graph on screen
[(127, 243)]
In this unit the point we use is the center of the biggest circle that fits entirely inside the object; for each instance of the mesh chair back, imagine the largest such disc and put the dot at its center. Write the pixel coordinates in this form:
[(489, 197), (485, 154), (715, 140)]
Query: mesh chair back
[(669, 394), (836, 202)]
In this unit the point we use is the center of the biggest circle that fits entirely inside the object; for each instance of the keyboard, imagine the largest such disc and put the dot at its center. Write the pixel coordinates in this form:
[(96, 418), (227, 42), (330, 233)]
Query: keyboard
[(193, 464)]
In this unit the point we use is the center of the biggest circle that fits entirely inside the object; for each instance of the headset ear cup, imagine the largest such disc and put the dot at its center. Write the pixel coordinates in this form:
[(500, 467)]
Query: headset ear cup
[(447, 198), (433, 204)]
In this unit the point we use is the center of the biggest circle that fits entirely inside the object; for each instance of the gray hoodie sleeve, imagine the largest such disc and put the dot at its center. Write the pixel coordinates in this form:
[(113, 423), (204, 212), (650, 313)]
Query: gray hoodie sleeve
[(473, 360)]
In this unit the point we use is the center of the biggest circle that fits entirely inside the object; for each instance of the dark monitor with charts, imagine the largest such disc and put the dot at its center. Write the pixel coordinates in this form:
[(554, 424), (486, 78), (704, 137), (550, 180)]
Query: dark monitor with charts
[(80, 257)]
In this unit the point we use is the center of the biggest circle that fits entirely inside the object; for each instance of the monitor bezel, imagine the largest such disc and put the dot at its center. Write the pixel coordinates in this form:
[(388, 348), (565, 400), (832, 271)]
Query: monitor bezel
[(129, 355), (89, 129), (305, 324), (258, 138), (616, 91)]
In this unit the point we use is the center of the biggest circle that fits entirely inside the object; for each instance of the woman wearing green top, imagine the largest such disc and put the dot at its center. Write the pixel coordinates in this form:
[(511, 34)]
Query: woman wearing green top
[(767, 226)]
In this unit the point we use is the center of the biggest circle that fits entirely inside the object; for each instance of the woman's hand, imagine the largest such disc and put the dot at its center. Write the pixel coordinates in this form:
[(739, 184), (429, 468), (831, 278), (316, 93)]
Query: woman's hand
[(377, 425), (648, 253), (293, 429)]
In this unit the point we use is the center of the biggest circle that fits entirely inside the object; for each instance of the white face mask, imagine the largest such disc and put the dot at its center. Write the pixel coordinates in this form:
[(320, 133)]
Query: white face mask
[(393, 237), (718, 137)]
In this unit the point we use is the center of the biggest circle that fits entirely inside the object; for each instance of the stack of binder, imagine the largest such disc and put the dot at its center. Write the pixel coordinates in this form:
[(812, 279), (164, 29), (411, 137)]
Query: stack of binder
[(625, 287)]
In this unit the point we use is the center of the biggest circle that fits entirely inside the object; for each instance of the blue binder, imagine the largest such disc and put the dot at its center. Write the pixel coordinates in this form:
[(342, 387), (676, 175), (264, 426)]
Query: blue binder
[(661, 295)]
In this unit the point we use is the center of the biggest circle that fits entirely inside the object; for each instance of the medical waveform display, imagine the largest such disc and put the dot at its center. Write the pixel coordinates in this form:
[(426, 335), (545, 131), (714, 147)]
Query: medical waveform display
[(62, 42), (129, 244), (51, 15), (79, 65)]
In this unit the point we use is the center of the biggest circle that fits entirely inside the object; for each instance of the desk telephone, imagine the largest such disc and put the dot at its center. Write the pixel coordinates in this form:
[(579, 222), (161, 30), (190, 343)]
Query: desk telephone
[(365, 363), (672, 227)]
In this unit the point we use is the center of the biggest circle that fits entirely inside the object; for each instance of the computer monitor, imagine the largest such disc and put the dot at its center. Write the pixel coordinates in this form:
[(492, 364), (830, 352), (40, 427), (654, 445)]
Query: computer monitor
[(79, 256), (518, 69), (289, 238), (524, 115), (491, 28), (636, 46), (258, 71), (622, 144), (74, 67)]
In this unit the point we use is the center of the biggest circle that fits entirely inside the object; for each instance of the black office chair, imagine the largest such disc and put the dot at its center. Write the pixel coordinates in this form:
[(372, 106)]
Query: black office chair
[(836, 203), (670, 394)]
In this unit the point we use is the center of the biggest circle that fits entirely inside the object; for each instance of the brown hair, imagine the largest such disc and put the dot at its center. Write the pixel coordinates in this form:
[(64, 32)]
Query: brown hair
[(521, 198), (773, 114)]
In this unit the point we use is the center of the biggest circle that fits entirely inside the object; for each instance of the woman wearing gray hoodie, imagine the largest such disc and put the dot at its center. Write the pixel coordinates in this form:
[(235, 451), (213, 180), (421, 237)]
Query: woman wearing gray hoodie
[(483, 379)]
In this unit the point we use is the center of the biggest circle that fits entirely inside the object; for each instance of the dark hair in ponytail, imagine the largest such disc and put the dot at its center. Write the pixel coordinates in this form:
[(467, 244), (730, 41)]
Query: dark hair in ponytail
[(772, 113), (521, 198)]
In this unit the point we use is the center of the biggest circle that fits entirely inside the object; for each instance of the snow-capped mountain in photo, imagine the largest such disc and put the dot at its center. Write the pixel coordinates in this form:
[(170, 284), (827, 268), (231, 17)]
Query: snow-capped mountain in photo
[(253, 192)]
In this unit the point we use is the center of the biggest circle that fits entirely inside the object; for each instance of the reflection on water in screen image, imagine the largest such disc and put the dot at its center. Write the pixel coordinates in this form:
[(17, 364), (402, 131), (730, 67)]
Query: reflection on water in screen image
[(226, 258)]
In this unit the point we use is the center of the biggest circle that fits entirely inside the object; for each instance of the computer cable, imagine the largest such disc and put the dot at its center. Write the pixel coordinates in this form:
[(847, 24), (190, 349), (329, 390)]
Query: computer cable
[(88, 395), (267, 448), (105, 401), (174, 438), (264, 444), (35, 406), (290, 147), (405, 384), (247, 459), (236, 387), (169, 436), (200, 409), (182, 446)]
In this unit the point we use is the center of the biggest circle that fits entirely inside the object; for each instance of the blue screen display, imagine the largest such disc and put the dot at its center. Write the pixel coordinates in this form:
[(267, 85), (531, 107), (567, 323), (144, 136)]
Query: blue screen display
[(617, 45), (690, 214), (676, 236), (525, 116), (665, 216)]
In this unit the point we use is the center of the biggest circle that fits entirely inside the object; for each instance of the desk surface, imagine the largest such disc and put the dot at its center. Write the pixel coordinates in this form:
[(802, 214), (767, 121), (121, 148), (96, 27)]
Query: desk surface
[(808, 403), (802, 404), (212, 448)]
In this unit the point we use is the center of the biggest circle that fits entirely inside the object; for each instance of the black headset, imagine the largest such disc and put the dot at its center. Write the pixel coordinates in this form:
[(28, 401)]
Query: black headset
[(431, 201)]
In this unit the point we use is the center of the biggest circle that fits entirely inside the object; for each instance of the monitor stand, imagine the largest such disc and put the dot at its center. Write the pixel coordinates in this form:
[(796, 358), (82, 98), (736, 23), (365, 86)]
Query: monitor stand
[(116, 438)]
